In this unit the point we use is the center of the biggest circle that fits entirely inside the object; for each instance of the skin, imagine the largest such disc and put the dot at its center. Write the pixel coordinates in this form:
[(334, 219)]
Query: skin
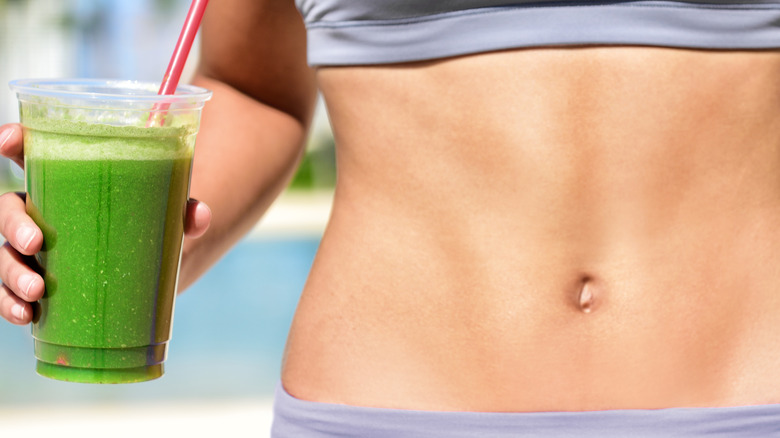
[(525, 230), (471, 219)]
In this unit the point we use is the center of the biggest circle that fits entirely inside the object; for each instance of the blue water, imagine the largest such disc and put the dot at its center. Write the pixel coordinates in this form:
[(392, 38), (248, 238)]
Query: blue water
[(228, 334)]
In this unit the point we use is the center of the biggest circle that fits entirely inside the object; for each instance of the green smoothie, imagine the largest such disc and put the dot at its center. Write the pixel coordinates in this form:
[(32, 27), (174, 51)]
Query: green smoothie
[(111, 202)]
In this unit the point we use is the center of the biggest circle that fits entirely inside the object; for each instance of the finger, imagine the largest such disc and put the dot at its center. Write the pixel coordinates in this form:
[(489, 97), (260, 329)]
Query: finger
[(17, 276), (12, 143), (18, 228), (197, 219), (12, 308)]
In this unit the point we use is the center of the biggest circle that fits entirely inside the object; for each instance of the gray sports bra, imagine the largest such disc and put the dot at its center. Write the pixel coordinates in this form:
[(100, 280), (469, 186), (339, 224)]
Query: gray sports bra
[(344, 32)]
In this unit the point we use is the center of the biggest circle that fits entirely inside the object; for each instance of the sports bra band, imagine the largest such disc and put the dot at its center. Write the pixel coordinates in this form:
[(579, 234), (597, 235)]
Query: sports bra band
[(354, 32)]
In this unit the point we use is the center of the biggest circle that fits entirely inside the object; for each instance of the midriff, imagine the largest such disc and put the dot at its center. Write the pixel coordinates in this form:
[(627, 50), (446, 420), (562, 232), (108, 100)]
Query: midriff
[(549, 229)]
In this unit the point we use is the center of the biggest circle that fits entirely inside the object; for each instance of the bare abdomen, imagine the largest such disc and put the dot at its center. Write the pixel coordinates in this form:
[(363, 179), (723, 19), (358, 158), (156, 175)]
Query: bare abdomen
[(549, 230)]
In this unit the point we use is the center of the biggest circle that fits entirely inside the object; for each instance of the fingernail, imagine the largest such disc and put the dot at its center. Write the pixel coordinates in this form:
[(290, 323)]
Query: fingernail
[(18, 311), (25, 283), (4, 136), (25, 236)]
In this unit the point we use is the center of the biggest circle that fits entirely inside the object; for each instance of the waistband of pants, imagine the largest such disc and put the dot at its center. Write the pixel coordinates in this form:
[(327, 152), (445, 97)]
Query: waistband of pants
[(299, 418)]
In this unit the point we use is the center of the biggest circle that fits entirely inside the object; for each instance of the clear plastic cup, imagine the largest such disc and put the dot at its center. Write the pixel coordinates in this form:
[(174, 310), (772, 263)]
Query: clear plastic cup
[(109, 190)]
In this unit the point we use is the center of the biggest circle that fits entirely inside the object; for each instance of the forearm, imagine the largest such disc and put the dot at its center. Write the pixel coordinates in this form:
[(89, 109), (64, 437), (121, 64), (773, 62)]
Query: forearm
[(246, 153)]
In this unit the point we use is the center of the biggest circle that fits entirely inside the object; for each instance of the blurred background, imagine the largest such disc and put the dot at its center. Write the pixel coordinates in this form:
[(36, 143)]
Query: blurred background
[(230, 327)]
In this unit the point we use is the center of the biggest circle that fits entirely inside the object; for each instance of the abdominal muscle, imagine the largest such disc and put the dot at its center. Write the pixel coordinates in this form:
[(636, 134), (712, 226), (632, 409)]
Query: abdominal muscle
[(549, 229)]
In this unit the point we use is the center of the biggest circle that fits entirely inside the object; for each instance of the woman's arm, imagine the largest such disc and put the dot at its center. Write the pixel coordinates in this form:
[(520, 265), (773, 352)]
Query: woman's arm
[(254, 130)]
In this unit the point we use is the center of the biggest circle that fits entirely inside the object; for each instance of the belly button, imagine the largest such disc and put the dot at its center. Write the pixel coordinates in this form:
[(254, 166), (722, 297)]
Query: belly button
[(586, 297)]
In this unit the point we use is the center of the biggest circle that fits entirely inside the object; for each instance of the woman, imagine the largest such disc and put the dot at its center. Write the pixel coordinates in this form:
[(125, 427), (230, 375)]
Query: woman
[(540, 207)]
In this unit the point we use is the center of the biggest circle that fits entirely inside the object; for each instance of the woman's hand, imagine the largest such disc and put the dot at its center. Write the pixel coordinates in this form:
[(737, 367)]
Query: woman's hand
[(21, 285)]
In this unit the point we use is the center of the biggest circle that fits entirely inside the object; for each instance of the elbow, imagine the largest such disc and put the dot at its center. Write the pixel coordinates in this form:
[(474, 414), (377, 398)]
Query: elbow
[(295, 97)]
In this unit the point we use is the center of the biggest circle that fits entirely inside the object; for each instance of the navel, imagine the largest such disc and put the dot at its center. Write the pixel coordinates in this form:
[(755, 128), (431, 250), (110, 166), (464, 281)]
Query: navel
[(587, 295)]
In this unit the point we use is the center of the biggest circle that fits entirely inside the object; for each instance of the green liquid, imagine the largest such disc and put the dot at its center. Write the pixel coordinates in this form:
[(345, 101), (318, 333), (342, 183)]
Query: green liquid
[(111, 204)]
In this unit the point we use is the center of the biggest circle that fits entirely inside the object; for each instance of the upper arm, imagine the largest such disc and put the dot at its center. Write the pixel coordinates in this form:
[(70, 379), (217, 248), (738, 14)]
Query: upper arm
[(258, 47)]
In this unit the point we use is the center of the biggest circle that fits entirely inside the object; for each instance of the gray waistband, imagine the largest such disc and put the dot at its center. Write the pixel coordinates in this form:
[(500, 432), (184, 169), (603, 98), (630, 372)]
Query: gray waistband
[(717, 25), (298, 418)]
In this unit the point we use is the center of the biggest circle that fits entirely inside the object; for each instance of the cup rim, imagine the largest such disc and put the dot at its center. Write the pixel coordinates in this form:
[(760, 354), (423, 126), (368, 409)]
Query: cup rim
[(69, 89)]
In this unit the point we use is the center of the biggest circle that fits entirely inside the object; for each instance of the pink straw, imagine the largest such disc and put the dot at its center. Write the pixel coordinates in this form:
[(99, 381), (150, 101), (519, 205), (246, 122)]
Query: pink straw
[(176, 65)]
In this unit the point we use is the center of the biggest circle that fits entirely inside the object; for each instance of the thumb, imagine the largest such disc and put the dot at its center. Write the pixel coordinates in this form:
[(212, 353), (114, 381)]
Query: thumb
[(197, 218)]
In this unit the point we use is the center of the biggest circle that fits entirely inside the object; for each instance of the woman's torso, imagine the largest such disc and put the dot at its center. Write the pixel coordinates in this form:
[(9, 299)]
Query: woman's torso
[(479, 196)]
